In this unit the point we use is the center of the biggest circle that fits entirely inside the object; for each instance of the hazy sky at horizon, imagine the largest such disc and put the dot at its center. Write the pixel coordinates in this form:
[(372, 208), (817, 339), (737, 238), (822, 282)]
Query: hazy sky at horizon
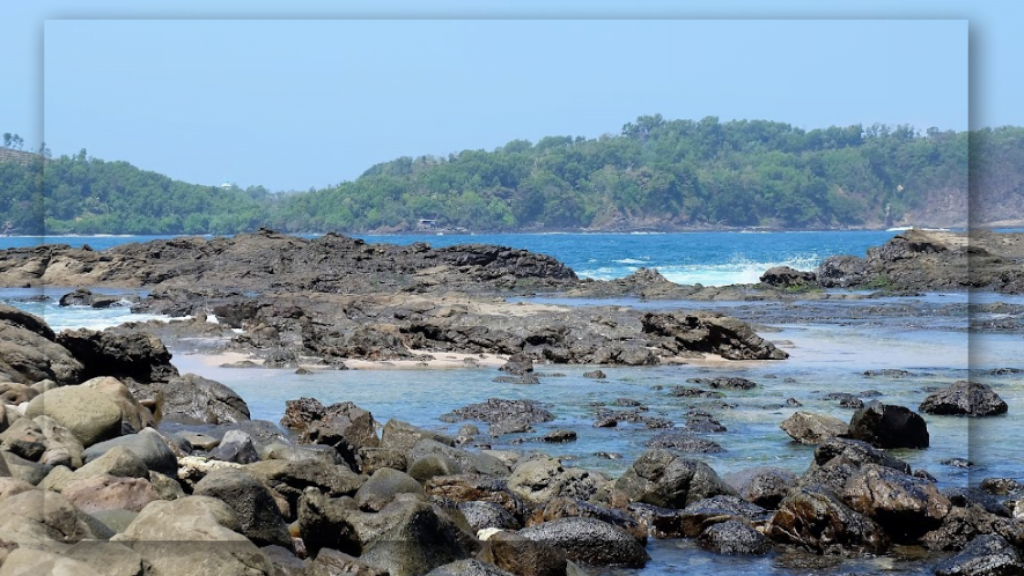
[(296, 103), (291, 104)]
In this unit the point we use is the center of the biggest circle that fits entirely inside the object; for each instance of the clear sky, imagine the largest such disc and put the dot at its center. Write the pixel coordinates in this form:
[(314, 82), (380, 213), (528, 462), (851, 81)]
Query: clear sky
[(315, 100)]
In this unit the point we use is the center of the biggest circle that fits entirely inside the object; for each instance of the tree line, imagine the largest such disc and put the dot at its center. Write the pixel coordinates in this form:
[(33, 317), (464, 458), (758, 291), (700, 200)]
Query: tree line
[(655, 173)]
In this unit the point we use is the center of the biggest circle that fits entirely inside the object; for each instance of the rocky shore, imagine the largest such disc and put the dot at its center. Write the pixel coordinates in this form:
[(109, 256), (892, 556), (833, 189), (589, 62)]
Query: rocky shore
[(111, 462), (269, 263)]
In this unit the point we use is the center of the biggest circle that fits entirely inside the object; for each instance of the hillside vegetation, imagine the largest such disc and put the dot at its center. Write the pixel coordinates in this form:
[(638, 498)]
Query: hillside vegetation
[(656, 174)]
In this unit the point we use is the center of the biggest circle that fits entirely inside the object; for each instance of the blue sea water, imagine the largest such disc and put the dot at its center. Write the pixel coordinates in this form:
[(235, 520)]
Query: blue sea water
[(827, 355), (708, 258)]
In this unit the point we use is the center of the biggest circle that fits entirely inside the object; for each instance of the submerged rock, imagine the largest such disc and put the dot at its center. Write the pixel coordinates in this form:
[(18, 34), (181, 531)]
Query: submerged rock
[(964, 399), (808, 428)]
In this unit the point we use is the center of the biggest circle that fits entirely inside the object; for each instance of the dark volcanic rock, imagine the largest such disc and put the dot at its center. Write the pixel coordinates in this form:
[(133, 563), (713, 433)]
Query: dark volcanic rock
[(664, 478), (764, 486), (252, 503), (846, 400), (131, 356), (786, 277), (518, 365), (344, 426), (28, 352), (698, 516), (330, 263), (814, 519), (685, 442), (904, 505), (192, 398), (734, 538), (589, 542), (964, 399), (497, 409), (725, 383), (988, 555), (889, 426), (729, 337)]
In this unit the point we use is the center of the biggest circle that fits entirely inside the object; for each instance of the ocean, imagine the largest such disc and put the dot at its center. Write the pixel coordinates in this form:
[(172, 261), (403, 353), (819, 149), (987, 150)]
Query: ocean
[(830, 352)]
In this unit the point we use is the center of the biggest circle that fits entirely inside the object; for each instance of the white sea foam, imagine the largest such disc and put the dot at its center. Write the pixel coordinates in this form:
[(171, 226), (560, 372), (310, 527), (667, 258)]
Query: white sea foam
[(738, 270), (633, 260)]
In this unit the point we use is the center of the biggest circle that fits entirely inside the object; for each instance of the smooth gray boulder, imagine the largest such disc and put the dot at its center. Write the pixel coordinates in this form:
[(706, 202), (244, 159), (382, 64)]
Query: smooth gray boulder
[(148, 445), (91, 415)]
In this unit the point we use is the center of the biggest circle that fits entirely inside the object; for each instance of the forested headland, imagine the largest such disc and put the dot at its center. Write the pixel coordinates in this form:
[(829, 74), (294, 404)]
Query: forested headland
[(656, 174)]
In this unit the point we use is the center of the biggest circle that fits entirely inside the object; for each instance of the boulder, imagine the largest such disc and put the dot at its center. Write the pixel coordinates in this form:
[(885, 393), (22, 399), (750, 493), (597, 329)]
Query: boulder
[(905, 506), (728, 337), (685, 441), (403, 436), (813, 518), (346, 427), (988, 555), (964, 399), (29, 354), (29, 562), (432, 465), (298, 414), (526, 557), (117, 461), (97, 493), (42, 520), (466, 460), (24, 438), (888, 426), (696, 517), (787, 277), (733, 537), (498, 409), (665, 478), (148, 445), (725, 383), (764, 486), (808, 428), (62, 447), (334, 563), (518, 365), (107, 558), (477, 488), (468, 568), (236, 446), (24, 470), (252, 503), (90, 415), (290, 477), (538, 481), (195, 399), (481, 515), (12, 393), (382, 487), (405, 538), (130, 356), (589, 542), (564, 507), (193, 535), (134, 416)]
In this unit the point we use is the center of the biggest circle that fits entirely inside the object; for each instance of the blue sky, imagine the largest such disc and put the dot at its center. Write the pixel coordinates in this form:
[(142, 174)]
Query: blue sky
[(316, 100)]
